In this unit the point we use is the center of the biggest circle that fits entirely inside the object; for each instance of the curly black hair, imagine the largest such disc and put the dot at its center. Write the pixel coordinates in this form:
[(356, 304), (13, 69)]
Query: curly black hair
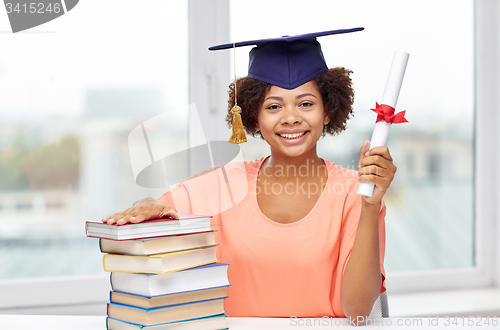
[(335, 86)]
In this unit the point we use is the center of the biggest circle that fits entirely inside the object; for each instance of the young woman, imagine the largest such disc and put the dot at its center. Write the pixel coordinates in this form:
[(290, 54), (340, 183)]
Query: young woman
[(300, 241)]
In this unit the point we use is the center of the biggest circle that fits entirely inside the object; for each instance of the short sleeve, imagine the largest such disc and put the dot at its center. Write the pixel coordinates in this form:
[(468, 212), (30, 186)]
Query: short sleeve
[(210, 192), (181, 203)]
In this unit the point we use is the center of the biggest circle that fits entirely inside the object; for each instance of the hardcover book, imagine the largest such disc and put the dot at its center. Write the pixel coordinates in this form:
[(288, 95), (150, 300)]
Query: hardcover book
[(150, 285), (159, 263), (159, 245), (173, 313), (186, 224), (169, 299), (205, 323)]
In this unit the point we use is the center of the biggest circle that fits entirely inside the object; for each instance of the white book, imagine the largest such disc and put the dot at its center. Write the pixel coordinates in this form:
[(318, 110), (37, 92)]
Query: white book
[(149, 285), (187, 223)]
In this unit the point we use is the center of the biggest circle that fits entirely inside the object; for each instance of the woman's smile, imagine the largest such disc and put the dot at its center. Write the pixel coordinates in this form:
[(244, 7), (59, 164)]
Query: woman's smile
[(293, 137)]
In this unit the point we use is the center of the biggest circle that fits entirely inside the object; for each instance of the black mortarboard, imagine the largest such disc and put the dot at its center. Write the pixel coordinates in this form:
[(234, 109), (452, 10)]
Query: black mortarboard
[(286, 62)]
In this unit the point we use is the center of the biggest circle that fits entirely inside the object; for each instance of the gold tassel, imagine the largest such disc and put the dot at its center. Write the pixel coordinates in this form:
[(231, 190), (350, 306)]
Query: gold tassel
[(238, 133)]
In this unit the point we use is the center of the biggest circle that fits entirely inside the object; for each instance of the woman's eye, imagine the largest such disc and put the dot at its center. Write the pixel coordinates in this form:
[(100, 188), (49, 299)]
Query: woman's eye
[(306, 104), (273, 107)]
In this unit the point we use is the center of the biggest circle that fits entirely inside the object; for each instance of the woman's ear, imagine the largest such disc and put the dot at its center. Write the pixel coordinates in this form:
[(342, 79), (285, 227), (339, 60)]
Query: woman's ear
[(257, 128), (326, 120)]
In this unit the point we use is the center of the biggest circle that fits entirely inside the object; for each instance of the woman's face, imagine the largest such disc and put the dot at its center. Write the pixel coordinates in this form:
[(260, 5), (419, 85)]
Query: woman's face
[(291, 121)]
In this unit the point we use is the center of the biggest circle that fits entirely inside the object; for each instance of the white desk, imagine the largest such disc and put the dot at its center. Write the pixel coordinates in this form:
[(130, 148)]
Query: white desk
[(64, 322)]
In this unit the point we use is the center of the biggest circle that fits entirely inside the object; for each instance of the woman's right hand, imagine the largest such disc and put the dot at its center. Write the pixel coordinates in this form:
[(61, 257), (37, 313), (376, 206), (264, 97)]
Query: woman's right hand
[(144, 209)]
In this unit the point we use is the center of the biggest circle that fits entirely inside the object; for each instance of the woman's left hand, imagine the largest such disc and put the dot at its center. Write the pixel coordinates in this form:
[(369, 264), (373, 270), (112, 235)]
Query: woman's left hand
[(376, 166)]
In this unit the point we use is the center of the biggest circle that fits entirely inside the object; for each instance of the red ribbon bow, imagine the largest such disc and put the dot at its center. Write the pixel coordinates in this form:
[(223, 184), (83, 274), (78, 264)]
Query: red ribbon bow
[(386, 112)]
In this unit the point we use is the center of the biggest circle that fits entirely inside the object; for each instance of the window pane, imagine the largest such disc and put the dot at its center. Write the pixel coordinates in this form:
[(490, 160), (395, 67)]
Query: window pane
[(429, 220), (71, 94)]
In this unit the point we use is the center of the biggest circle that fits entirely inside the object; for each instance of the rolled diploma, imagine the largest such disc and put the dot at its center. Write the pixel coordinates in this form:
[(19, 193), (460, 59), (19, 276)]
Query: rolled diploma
[(390, 97)]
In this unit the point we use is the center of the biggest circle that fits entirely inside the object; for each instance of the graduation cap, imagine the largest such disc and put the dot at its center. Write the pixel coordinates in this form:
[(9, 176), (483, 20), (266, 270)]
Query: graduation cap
[(287, 62)]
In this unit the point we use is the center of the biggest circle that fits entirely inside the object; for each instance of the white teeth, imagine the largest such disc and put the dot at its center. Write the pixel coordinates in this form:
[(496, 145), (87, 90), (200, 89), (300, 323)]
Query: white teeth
[(292, 136)]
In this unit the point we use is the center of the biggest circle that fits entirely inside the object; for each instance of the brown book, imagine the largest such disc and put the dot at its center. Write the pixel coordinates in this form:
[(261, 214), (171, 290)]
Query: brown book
[(150, 246), (170, 299)]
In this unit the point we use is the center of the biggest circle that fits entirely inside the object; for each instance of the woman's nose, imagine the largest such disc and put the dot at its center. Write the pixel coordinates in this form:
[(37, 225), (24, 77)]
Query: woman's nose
[(291, 116)]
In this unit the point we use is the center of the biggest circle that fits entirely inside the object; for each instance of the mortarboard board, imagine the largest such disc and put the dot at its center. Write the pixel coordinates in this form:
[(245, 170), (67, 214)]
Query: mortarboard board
[(289, 61)]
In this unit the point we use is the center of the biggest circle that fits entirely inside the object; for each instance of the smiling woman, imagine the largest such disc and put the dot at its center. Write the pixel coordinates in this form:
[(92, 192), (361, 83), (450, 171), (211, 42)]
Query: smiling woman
[(276, 240)]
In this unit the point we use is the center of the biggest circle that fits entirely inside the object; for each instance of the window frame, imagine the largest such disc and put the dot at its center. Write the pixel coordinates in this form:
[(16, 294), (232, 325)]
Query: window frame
[(483, 274)]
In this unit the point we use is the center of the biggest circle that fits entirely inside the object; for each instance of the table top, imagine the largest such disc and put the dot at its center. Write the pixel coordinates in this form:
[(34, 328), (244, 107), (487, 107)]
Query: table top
[(64, 322)]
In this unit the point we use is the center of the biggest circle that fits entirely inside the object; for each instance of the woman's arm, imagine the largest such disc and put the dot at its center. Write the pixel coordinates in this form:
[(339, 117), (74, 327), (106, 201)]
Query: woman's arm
[(362, 280)]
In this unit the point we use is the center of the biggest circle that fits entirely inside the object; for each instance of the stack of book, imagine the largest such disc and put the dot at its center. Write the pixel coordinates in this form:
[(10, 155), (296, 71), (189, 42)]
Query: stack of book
[(164, 274)]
